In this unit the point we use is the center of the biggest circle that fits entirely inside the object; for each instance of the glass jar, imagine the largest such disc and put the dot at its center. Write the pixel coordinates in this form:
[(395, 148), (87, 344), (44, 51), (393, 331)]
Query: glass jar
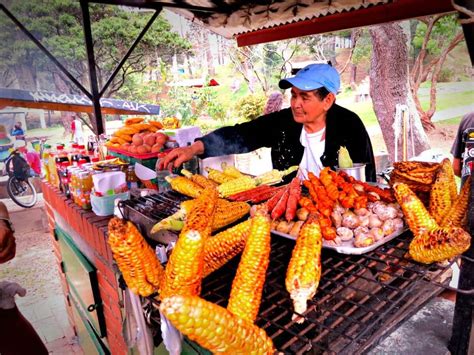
[(132, 180), (161, 182)]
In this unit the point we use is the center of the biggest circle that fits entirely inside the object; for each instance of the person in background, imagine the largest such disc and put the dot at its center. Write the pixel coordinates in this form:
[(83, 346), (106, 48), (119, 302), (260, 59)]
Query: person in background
[(308, 134), (17, 335), (457, 149), (274, 102), (76, 129), (17, 131), (31, 156)]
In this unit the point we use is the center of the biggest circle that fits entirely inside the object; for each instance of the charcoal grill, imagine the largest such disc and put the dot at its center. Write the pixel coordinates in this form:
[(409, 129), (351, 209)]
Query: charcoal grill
[(146, 211), (360, 299)]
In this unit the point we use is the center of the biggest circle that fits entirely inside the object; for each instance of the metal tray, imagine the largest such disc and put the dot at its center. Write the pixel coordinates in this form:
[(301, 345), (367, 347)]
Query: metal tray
[(346, 247)]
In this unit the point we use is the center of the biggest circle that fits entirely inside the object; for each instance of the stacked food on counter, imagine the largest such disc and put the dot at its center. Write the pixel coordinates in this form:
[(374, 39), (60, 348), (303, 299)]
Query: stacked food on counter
[(333, 209), (138, 137)]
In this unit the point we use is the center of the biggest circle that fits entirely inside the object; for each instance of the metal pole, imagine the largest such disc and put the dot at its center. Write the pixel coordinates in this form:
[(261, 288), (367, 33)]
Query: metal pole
[(45, 51), (462, 335), (99, 124), (124, 59)]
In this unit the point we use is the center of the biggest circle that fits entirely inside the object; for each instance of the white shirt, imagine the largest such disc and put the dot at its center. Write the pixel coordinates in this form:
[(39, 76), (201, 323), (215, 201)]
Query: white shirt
[(314, 145)]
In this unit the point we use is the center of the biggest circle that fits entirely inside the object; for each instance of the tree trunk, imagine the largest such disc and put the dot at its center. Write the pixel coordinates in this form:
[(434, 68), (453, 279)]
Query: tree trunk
[(26, 76), (389, 86)]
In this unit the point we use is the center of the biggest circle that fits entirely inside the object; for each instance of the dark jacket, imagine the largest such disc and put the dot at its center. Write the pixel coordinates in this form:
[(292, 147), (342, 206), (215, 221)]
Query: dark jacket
[(281, 133)]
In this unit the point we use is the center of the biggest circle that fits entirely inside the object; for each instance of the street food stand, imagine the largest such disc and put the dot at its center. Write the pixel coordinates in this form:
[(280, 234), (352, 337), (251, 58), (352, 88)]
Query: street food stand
[(361, 298)]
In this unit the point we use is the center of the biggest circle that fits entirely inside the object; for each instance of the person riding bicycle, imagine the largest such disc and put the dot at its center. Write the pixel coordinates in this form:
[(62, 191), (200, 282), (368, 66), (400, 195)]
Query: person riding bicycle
[(32, 158)]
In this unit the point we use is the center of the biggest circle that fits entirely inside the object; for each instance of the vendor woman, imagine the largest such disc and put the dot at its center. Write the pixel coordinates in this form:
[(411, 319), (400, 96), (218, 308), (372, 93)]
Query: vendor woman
[(308, 134)]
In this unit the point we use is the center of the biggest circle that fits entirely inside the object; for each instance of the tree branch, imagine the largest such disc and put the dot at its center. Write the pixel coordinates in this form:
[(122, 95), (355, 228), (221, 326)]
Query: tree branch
[(355, 34)]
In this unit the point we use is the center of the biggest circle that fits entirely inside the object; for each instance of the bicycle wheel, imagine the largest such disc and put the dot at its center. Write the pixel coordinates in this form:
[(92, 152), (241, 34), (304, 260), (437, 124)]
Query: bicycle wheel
[(22, 192)]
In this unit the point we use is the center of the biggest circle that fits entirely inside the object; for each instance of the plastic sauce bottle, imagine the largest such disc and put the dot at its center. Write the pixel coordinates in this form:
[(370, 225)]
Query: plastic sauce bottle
[(65, 178), (53, 177), (45, 161)]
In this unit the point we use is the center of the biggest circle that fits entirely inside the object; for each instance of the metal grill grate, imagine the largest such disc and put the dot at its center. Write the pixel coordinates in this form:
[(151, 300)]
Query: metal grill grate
[(359, 299), (148, 210), (157, 206)]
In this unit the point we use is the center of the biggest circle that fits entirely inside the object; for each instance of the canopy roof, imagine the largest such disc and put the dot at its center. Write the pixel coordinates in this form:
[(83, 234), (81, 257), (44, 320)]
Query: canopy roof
[(68, 102), (233, 17), (253, 22)]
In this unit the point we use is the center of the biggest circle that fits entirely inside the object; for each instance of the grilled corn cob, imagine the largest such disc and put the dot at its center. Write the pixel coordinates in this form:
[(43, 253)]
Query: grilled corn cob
[(439, 244), (185, 186), (183, 272), (199, 179), (136, 260), (218, 176), (231, 170), (222, 247), (417, 217), (458, 210), (274, 176), (448, 168), (304, 269), (214, 328), (246, 292), (440, 195), (226, 213), (237, 185)]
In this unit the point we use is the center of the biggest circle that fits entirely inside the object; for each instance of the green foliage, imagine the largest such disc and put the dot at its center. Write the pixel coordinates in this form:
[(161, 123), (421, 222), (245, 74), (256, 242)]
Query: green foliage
[(58, 25), (446, 75), (363, 49), (179, 103), (272, 63), (190, 105), (208, 104), (443, 32), (251, 106)]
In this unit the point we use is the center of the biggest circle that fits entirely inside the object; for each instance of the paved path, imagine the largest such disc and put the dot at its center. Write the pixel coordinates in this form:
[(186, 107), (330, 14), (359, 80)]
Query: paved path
[(437, 117), (34, 267), (452, 112)]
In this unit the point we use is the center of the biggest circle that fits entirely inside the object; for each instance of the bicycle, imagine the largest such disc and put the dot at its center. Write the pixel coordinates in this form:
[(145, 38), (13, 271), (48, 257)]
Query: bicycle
[(19, 188)]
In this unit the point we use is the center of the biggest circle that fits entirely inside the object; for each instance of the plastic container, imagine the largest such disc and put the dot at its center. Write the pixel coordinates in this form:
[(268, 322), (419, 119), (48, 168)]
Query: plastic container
[(357, 171), (84, 183), (147, 159), (104, 205)]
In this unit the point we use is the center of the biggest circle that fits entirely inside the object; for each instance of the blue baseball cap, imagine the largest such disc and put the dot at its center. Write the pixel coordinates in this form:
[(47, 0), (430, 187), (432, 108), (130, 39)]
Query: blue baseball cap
[(312, 77)]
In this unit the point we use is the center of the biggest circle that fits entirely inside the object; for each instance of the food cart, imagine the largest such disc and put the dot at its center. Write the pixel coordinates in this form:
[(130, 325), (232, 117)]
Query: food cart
[(360, 299)]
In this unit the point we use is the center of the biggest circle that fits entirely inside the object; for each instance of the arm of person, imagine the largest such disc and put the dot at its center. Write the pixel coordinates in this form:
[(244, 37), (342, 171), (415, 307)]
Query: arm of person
[(240, 138), (7, 239), (180, 155), (245, 137)]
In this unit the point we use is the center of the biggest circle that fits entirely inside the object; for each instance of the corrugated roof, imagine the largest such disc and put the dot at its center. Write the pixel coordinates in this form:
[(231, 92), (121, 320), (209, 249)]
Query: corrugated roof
[(230, 18)]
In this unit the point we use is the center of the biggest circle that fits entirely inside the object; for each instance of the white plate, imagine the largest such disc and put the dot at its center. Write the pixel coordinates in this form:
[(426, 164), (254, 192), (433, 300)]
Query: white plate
[(347, 247)]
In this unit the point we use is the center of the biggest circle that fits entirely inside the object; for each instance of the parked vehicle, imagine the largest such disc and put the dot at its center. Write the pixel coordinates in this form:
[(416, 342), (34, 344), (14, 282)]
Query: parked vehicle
[(19, 187)]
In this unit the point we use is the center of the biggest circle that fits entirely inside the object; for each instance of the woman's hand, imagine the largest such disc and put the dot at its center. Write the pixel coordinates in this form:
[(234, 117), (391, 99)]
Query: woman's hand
[(180, 155)]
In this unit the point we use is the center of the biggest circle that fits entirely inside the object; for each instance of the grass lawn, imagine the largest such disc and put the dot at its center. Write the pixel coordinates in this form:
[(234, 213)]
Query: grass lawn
[(53, 135), (444, 101)]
